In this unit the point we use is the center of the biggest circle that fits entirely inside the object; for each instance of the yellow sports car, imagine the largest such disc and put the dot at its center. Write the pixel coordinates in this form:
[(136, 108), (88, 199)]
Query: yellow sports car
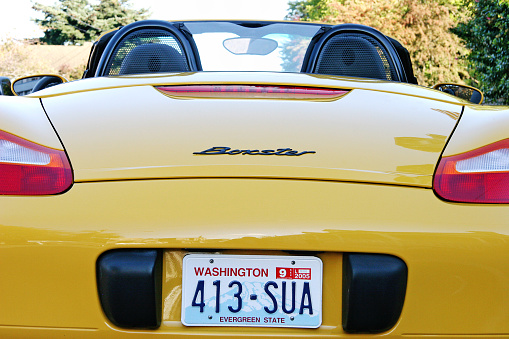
[(255, 179)]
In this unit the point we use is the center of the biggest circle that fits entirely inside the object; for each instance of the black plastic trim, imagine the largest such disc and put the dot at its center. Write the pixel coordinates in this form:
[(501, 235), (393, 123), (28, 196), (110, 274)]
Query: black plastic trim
[(177, 29), (374, 288), (404, 56), (96, 53), (129, 282)]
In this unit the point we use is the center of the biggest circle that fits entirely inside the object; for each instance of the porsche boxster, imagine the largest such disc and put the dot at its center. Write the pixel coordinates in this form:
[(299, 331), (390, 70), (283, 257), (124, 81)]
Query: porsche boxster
[(255, 179)]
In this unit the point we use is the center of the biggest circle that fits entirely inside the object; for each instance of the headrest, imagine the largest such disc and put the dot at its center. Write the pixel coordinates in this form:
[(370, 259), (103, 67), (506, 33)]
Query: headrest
[(353, 55), (153, 58)]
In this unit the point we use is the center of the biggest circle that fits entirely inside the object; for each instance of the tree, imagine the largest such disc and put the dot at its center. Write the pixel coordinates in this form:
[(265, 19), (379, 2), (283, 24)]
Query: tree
[(422, 26), (486, 34), (77, 21), (111, 14)]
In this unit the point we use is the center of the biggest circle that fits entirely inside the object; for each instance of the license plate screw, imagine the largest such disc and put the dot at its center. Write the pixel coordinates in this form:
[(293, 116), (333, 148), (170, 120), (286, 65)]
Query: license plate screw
[(293, 262), (211, 261), (291, 318), (210, 317)]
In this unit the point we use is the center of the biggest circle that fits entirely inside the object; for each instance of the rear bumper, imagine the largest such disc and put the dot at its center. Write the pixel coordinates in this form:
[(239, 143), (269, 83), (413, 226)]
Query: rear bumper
[(456, 254)]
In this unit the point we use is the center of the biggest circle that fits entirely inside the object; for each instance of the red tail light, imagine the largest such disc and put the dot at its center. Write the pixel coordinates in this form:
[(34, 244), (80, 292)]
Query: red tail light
[(252, 92), (27, 168), (479, 176)]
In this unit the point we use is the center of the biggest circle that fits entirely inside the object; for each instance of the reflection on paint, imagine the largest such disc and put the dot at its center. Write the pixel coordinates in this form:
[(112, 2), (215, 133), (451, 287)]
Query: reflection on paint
[(420, 174), (172, 288), (426, 169), (452, 115), (434, 143)]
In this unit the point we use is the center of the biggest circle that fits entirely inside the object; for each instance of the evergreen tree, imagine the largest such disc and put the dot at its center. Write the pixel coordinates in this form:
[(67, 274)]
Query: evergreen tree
[(486, 34), (77, 21)]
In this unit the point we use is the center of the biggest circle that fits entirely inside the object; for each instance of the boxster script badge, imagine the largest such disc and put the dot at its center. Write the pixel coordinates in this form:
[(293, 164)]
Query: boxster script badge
[(228, 150)]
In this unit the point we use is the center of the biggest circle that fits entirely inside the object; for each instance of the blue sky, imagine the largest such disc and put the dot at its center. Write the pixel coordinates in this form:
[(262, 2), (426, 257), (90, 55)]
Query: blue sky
[(15, 22)]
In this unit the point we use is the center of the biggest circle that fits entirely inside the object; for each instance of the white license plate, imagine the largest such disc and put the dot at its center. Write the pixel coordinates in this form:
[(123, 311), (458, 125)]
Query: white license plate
[(251, 290)]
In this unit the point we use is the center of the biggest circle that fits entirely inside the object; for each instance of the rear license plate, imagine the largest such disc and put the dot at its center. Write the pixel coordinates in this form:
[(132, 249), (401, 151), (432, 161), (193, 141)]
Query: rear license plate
[(249, 290)]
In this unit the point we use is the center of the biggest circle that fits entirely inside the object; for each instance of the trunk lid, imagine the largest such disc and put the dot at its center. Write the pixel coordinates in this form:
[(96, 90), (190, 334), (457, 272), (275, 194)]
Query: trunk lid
[(378, 132)]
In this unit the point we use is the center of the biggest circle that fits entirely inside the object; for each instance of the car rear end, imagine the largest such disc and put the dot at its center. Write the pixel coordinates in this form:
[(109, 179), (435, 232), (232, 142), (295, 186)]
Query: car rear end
[(226, 193)]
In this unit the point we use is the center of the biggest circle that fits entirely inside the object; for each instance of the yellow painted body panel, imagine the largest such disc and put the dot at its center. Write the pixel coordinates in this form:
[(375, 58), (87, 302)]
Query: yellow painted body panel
[(368, 135), (456, 254), (481, 125), (24, 117)]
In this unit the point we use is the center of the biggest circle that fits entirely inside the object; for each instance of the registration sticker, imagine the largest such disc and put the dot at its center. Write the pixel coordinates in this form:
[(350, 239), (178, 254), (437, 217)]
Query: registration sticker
[(250, 290)]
